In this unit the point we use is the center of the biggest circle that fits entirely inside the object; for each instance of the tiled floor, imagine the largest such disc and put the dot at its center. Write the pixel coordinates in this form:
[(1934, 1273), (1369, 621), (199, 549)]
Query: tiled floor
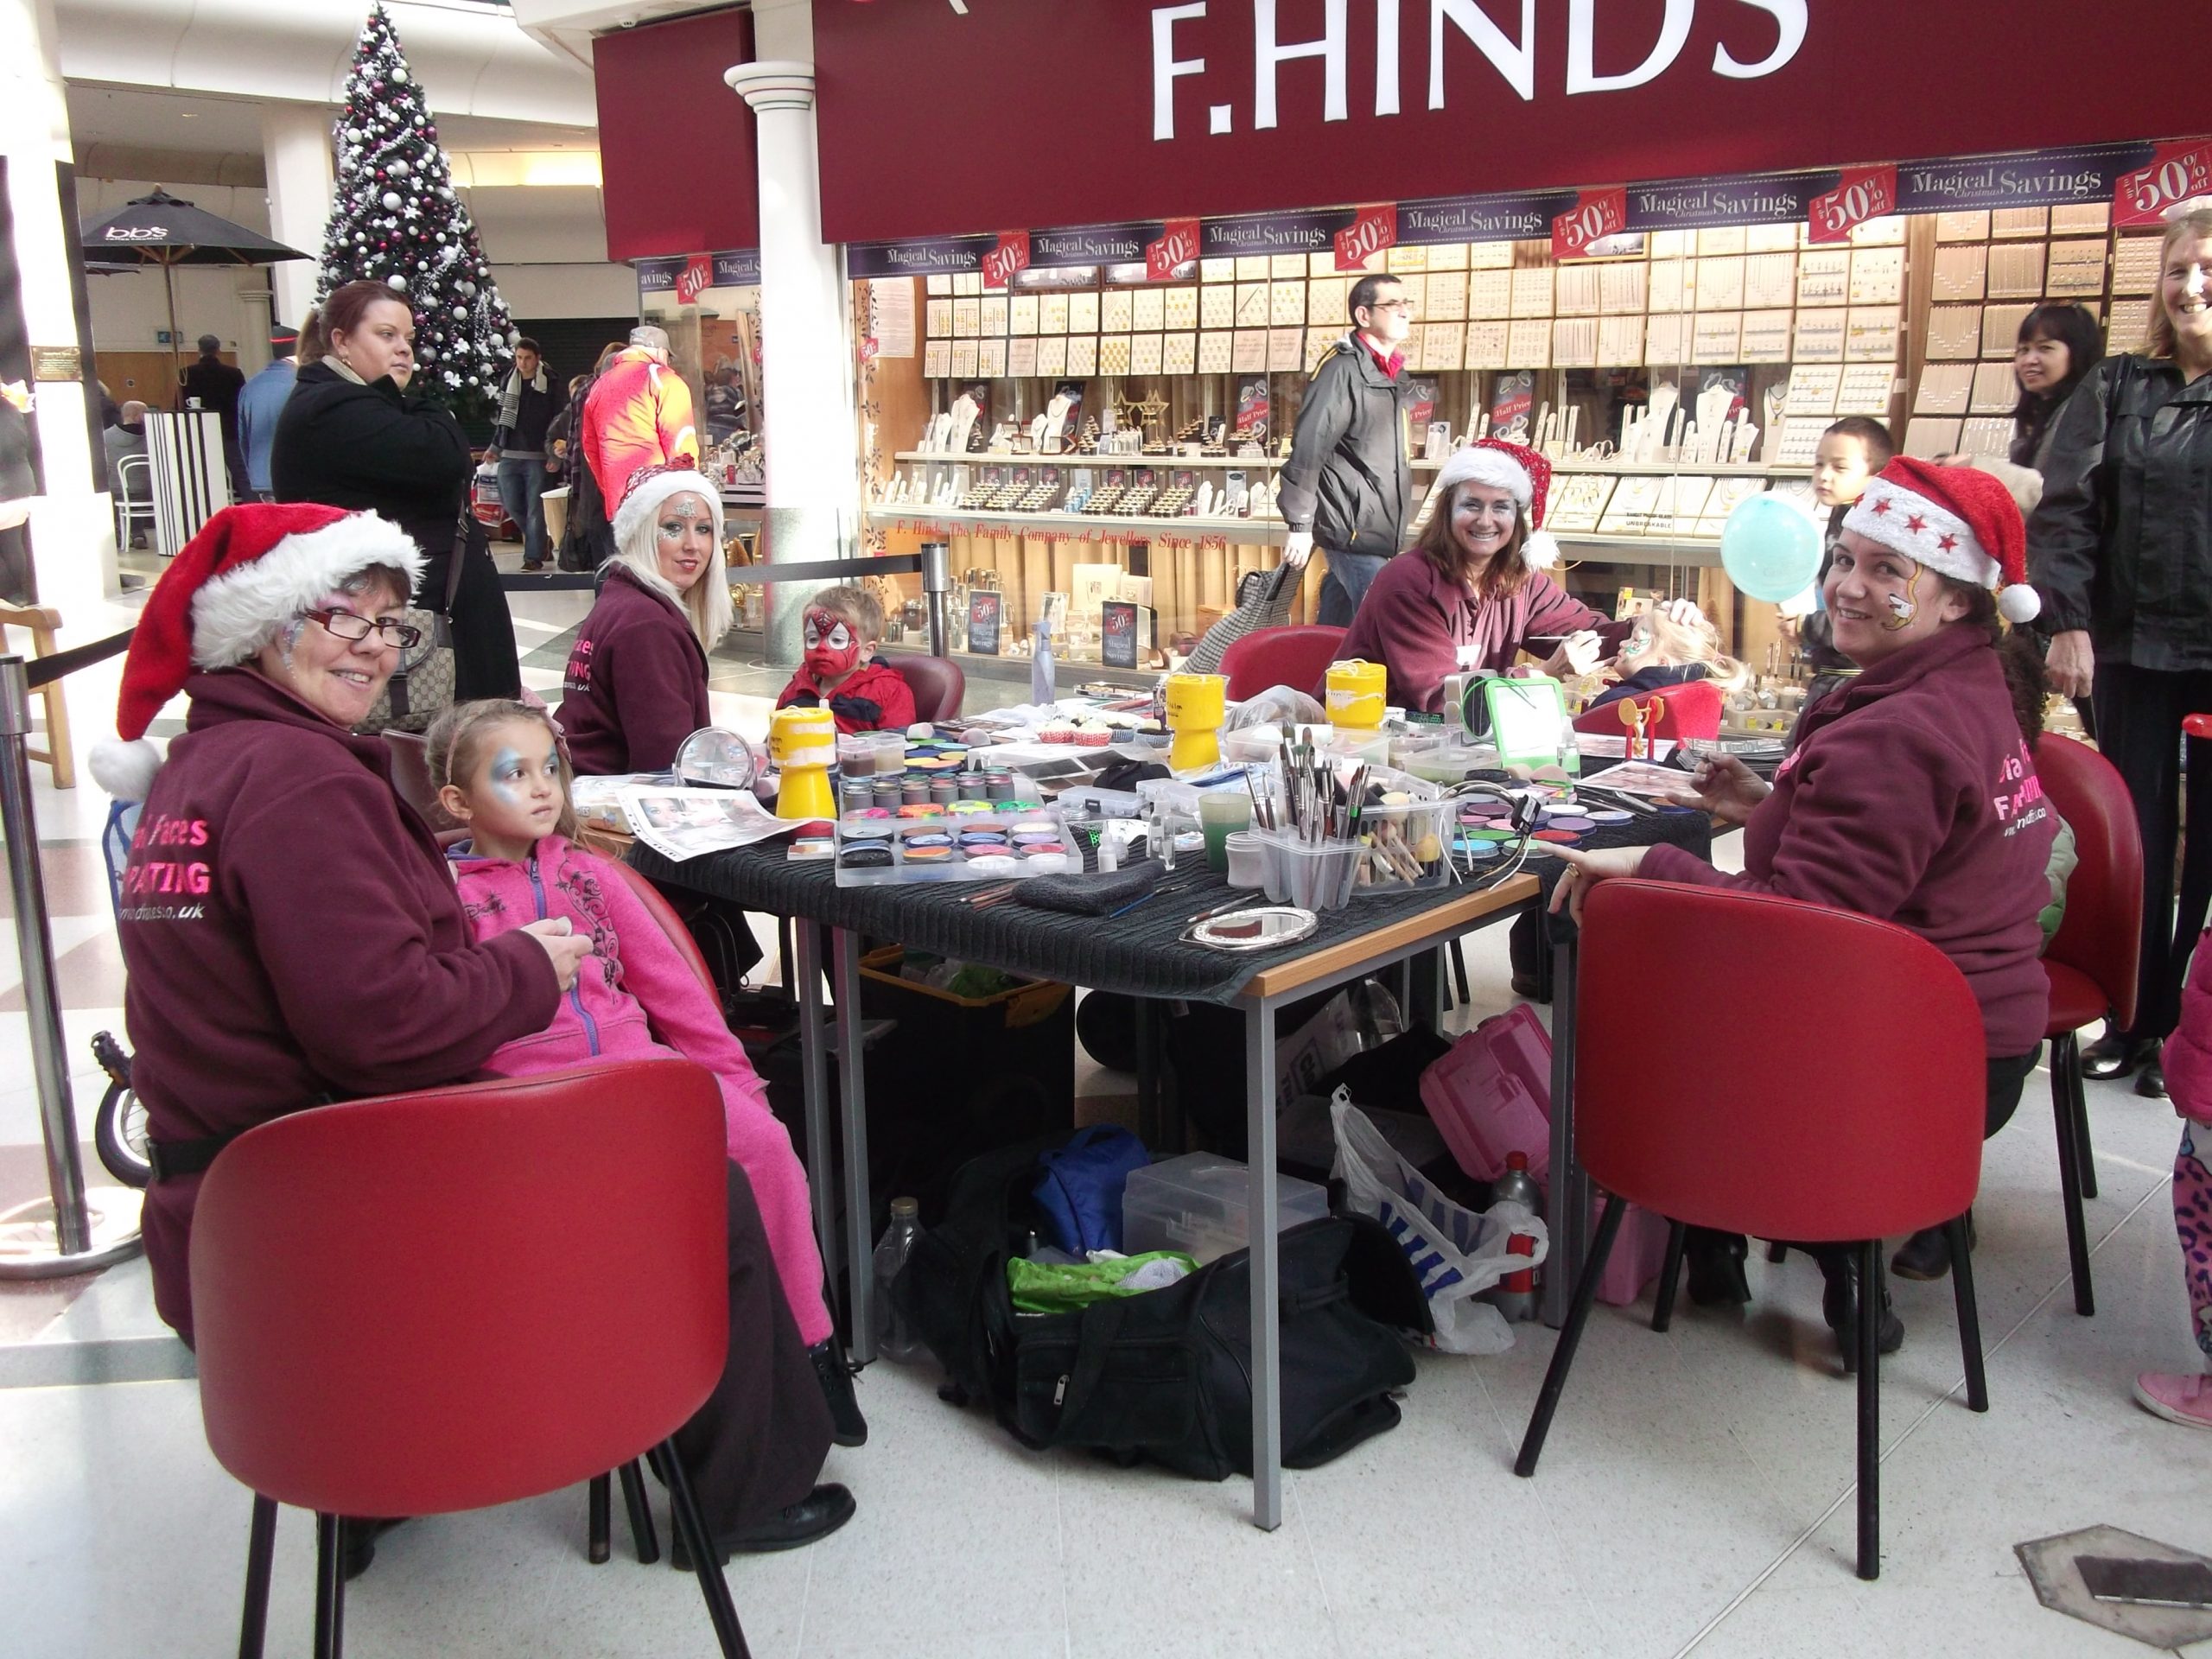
[(1695, 1495)]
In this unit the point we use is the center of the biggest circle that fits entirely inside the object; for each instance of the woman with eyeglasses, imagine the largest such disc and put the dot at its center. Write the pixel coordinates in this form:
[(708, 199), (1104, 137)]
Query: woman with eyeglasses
[(358, 433)]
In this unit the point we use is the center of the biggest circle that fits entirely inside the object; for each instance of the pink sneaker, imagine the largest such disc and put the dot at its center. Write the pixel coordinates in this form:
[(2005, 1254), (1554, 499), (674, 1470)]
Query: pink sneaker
[(2178, 1399)]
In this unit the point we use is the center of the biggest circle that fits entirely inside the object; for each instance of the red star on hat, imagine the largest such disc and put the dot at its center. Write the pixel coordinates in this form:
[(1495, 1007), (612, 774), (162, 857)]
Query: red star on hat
[(1916, 524), (1949, 543), (1882, 508)]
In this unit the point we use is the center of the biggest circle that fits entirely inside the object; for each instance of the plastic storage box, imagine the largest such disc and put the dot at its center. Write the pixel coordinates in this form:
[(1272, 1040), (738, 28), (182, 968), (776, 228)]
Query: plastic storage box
[(1201, 1204)]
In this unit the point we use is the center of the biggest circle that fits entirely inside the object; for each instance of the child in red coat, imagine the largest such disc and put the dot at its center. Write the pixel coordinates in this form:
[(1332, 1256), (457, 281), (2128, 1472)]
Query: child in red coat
[(866, 694)]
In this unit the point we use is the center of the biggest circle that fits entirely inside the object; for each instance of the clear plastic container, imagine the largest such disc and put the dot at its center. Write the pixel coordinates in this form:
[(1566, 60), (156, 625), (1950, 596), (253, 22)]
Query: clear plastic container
[(894, 1339), (1316, 876), (1404, 847), (1202, 1204)]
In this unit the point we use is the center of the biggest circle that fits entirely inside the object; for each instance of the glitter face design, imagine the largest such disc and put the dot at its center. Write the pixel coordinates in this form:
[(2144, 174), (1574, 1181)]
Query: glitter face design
[(512, 795)]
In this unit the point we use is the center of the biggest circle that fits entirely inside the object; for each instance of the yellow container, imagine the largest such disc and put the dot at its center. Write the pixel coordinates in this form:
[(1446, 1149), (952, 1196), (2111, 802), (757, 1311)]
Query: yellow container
[(803, 742), (1196, 704), (1356, 693)]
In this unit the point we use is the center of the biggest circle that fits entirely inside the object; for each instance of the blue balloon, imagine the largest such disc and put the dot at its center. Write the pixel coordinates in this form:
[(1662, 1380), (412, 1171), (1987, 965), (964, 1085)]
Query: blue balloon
[(1770, 547)]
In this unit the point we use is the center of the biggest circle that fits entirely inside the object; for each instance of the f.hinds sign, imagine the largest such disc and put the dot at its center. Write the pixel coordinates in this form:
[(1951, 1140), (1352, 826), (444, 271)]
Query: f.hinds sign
[(1452, 26), (1043, 113)]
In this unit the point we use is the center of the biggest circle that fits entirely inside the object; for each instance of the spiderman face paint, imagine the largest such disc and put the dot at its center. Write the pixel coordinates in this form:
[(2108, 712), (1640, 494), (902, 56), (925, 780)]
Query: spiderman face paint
[(832, 651)]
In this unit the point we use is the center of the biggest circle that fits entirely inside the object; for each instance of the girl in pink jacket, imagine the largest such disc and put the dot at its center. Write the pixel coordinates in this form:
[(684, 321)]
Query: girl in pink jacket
[(2186, 1397), (501, 774)]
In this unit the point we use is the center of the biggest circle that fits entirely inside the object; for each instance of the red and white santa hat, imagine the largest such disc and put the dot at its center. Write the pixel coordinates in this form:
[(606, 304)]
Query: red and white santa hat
[(1523, 472), (237, 584), (1958, 521)]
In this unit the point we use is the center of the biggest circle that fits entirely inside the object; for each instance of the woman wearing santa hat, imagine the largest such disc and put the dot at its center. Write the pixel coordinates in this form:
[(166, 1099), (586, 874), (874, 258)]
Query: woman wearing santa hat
[(1910, 796), (1473, 591), (292, 936)]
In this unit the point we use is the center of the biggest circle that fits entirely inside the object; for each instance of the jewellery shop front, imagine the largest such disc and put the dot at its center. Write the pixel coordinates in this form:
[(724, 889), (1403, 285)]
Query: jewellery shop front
[(1096, 249)]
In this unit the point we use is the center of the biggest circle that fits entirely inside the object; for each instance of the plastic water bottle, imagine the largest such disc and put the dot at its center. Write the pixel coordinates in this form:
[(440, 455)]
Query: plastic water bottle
[(894, 1339), (1570, 749), (1515, 1295)]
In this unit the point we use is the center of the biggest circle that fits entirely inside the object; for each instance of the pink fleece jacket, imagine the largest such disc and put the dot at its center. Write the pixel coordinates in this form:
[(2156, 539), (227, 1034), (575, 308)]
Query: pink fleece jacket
[(2187, 1054)]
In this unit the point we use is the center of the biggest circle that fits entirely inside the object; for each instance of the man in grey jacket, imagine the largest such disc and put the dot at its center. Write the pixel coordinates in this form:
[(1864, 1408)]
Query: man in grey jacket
[(1346, 486)]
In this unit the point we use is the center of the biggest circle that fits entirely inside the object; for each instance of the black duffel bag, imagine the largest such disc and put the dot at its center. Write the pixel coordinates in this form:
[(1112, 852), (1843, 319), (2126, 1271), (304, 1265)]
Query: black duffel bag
[(1165, 1375)]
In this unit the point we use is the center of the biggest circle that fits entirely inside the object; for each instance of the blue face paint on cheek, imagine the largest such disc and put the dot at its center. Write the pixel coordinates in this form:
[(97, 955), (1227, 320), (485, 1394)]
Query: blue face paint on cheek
[(505, 777)]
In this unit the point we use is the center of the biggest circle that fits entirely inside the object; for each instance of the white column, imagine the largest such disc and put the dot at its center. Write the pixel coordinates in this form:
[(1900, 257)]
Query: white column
[(806, 364), (295, 151), (72, 529)]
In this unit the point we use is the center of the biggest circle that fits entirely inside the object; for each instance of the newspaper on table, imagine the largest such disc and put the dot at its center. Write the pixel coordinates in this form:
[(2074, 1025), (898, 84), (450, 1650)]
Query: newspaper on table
[(681, 824)]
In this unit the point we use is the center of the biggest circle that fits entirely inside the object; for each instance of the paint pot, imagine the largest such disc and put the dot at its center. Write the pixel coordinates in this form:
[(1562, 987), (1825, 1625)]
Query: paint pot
[(1247, 857), (974, 786), (872, 857), (914, 792), (998, 785), (886, 793), (1046, 864), (997, 864), (943, 791)]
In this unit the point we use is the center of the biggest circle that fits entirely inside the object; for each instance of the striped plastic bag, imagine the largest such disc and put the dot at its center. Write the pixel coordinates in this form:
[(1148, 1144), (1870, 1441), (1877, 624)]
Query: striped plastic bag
[(1456, 1253)]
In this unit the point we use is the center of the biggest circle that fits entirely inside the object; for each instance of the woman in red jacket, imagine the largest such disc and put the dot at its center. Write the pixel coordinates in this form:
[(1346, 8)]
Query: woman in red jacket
[(636, 685), (1910, 795)]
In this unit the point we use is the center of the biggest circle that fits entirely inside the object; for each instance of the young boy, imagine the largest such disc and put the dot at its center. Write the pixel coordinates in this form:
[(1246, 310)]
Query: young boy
[(840, 632), (1850, 451)]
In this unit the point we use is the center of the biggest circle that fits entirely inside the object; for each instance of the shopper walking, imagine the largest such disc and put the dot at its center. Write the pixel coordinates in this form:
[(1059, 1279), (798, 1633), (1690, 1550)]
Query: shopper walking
[(528, 404), (352, 437), (638, 414), (1347, 487), (262, 403), (2122, 549)]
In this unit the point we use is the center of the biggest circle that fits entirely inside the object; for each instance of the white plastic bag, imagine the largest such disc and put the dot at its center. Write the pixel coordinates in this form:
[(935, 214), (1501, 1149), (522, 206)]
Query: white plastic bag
[(1455, 1253)]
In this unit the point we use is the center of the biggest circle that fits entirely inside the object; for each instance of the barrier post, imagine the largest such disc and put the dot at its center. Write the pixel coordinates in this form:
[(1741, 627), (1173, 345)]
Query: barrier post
[(47, 1239)]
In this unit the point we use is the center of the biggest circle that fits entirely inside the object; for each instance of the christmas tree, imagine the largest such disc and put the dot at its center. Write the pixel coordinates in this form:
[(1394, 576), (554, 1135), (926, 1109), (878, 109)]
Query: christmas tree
[(398, 220)]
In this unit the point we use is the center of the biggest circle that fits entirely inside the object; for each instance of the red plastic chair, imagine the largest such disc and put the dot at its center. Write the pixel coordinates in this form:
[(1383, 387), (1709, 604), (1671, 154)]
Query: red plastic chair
[(1297, 657), (1861, 1145), (1691, 710), (397, 1316), (2091, 962), (939, 685)]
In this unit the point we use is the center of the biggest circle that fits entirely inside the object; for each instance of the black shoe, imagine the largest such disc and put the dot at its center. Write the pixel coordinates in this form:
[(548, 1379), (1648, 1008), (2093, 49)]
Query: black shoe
[(2112, 1056), (533, 566), (1840, 1307), (817, 1514), (2151, 1081), (848, 1426), (1716, 1268), (357, 1541), (1927, 1255)]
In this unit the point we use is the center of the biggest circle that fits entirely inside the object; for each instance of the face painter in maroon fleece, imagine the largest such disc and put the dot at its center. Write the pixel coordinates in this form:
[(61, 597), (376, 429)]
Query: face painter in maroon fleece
[(290, 931)]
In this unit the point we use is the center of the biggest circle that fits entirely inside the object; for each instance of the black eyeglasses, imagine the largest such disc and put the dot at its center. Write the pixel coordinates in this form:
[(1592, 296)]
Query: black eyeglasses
[(389, 631), (1404, 306)]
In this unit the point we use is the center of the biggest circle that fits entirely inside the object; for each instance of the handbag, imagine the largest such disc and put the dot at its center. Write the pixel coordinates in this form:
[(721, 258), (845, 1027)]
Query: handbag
[(421, 688), (1263, 600)]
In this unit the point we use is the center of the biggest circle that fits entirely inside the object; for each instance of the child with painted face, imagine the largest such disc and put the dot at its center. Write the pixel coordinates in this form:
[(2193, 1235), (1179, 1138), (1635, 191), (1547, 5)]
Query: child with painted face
[(839, 631), (501, 774)]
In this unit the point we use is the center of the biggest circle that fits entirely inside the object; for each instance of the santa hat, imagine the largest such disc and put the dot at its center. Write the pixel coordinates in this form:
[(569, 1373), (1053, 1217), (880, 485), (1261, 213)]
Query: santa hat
[(1958, 521), (650, 486), (1522, 472), (235, 587)]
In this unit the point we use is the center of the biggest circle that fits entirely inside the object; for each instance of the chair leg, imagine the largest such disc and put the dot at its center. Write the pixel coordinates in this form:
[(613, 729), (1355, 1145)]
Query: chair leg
[(684, 1511), (329, 1588), (1775, 1251), (2070, 1177), (1460, 968), (641, 1515), (1870, 1409), (2085, 1163), (1670, 1273), (1954, 1234), (598, 1502), (260, 1549), (1585, 1292)]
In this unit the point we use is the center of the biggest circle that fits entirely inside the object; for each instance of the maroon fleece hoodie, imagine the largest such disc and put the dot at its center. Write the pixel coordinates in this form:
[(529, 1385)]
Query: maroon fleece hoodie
[(1415, 619), (636, 686), (291, 933), (1910, 797)]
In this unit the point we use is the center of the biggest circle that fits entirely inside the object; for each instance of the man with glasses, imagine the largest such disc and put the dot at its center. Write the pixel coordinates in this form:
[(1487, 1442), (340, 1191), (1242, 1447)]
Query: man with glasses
[(1346, 486)]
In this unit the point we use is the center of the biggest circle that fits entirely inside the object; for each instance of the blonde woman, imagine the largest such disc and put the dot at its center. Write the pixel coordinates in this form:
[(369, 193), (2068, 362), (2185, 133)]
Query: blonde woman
[(1668, 650), (2119, 548), (636, 684)]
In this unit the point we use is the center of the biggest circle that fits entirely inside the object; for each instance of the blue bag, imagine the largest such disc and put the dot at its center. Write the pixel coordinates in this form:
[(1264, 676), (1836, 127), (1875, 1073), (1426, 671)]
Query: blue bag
[(1079, 1185)]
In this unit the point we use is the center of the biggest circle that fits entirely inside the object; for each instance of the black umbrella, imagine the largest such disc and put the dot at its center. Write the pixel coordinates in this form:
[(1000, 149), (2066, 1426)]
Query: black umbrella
[(162, 230)]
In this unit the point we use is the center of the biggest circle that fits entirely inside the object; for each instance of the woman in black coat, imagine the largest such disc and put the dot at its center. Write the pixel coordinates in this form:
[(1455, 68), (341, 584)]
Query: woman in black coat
[(350, 436)]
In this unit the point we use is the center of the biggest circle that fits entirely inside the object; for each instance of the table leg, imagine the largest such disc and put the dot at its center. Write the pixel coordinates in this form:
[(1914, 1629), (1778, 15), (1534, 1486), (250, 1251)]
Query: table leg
[(1565, 1261), (1267, 1330), (1150, 1129), (1426, 971), (813, 1070), (859, 1208)]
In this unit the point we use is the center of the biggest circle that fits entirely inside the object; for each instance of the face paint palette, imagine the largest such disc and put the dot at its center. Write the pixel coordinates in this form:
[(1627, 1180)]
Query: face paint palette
[(968, 840)]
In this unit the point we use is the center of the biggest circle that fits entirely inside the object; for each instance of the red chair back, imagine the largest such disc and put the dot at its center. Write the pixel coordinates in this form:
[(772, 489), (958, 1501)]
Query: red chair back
[(670, 924), (1841, 1099), (938, 683), (1297, 657), (449, 1300), (410, 780), (1691, 710), (2103, 928)]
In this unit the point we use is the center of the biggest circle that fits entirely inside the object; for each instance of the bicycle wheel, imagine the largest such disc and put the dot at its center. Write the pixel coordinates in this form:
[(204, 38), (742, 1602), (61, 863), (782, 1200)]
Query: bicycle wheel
[(119, 1137)]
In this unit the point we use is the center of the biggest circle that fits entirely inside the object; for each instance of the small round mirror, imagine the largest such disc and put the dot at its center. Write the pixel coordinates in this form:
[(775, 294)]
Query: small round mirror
[(714, 759), (1263, 927)]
